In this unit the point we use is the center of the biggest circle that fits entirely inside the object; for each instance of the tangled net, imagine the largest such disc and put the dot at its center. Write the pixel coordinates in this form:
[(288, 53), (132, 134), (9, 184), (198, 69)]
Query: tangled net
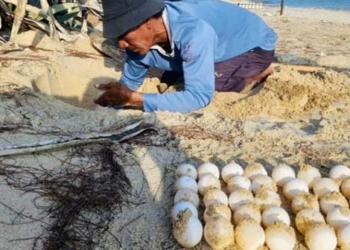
[(80, 198)]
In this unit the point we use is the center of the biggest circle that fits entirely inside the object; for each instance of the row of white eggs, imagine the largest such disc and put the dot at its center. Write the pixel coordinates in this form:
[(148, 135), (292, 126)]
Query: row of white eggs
[(278, 233), (255, 177), (309, 221), (263, 186), (332, 203), (220, 233), (218, 230), (327, 199), (309, 178), (281, 174), (320, 235)]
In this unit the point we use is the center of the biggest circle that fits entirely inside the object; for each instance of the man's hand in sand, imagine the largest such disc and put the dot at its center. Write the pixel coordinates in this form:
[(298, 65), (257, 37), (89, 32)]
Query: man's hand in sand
[(117, 94)]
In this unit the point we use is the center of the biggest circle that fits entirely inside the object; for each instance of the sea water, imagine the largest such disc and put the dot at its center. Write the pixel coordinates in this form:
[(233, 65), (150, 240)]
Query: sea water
[(319, 4)]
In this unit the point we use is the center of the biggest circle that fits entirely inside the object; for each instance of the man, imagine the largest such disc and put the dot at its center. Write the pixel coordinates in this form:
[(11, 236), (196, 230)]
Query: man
[(215, 46)]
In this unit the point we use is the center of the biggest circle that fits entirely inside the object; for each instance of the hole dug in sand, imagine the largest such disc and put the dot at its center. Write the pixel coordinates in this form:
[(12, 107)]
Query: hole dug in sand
[(69, 87), (67, 71)]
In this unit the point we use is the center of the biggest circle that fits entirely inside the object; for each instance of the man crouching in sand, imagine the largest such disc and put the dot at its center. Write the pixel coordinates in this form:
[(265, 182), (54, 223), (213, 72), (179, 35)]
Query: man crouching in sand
[(213, 45)]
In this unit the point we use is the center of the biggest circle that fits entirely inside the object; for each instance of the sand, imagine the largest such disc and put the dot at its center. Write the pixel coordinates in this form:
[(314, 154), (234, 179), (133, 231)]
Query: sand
[(296, 118)]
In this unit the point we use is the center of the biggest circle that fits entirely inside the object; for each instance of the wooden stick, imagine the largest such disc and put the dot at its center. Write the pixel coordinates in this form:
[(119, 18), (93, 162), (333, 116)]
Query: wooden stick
[(282, 7), (17, 58), (300, 68)]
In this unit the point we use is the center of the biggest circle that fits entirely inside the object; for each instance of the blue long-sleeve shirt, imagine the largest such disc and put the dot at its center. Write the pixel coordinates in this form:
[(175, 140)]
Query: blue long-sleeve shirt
[(203, 32)]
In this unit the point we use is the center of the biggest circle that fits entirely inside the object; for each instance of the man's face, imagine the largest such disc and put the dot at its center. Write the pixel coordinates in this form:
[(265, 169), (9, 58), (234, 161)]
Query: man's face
[(139, 39)]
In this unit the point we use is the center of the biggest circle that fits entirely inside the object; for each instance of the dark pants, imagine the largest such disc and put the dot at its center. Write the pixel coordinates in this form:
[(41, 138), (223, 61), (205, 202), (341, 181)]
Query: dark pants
[(231, 75)]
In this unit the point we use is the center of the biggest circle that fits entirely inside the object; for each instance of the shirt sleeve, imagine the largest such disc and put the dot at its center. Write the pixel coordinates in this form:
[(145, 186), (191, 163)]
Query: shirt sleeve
[(134, 72), (197, 46)]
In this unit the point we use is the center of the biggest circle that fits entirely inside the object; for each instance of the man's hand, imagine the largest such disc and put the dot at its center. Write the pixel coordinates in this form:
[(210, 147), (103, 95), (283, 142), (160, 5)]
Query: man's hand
[(118, 94)]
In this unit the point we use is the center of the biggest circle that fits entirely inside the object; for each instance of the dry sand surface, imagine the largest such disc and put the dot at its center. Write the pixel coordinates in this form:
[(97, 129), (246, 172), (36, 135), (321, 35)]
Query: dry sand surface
[(296, 118)]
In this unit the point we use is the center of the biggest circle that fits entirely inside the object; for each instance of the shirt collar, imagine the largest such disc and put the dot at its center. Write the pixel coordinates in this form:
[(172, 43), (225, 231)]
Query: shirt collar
[(157, 47)]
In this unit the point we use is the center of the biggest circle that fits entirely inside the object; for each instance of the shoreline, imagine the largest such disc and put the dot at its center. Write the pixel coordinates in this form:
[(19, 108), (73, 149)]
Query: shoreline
[(287, 4), (304, 7), (312, 14), (316, 15)]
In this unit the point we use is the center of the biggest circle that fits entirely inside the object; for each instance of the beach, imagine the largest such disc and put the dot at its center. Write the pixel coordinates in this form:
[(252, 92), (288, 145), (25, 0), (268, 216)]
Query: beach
[(300, 116)]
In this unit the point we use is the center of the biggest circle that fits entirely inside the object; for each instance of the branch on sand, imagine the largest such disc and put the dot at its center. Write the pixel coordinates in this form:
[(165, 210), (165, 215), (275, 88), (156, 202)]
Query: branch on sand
[(121, 135)]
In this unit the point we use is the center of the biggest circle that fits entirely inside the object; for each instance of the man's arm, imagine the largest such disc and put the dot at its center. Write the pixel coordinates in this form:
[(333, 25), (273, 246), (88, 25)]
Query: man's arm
[(198, 66), (197, 45)]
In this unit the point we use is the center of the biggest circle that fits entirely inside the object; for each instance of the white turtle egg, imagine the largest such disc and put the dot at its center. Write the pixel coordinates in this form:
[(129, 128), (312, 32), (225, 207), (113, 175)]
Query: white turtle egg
[(280, 236), (188, 230), (186, 182), (306, 218), (321, 237), (282, 173), (186, 170), (185, 194), (343, 235), (338, 217), (294, 187), (239, 197), (253, 170), (266, 198), (304, 200), (238, 182), (331, 200), (208, 168), (247, 211), (207, 182), (325, 185), (214, 210), (181, 207), (231, 169), (219, 233), (345, 187), (339, 173), (214, 196), (249, 235), (275, 214), (263, 181), (309, 175)]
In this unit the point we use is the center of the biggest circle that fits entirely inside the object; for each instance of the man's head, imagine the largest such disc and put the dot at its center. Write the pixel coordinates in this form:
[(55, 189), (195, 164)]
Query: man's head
[(130, 21)]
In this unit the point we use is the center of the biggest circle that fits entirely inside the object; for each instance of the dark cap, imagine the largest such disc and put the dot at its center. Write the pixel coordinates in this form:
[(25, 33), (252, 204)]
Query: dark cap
[(123, 15)]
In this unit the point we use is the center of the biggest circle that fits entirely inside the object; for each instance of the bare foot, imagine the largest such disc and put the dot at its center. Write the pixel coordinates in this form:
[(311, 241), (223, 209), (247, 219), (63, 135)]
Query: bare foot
[(255, 81), (262, 76)]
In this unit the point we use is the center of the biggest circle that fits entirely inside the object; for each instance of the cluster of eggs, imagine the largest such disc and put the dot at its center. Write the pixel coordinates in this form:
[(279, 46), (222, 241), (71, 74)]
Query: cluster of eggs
[(321, 205), (251, 195)]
